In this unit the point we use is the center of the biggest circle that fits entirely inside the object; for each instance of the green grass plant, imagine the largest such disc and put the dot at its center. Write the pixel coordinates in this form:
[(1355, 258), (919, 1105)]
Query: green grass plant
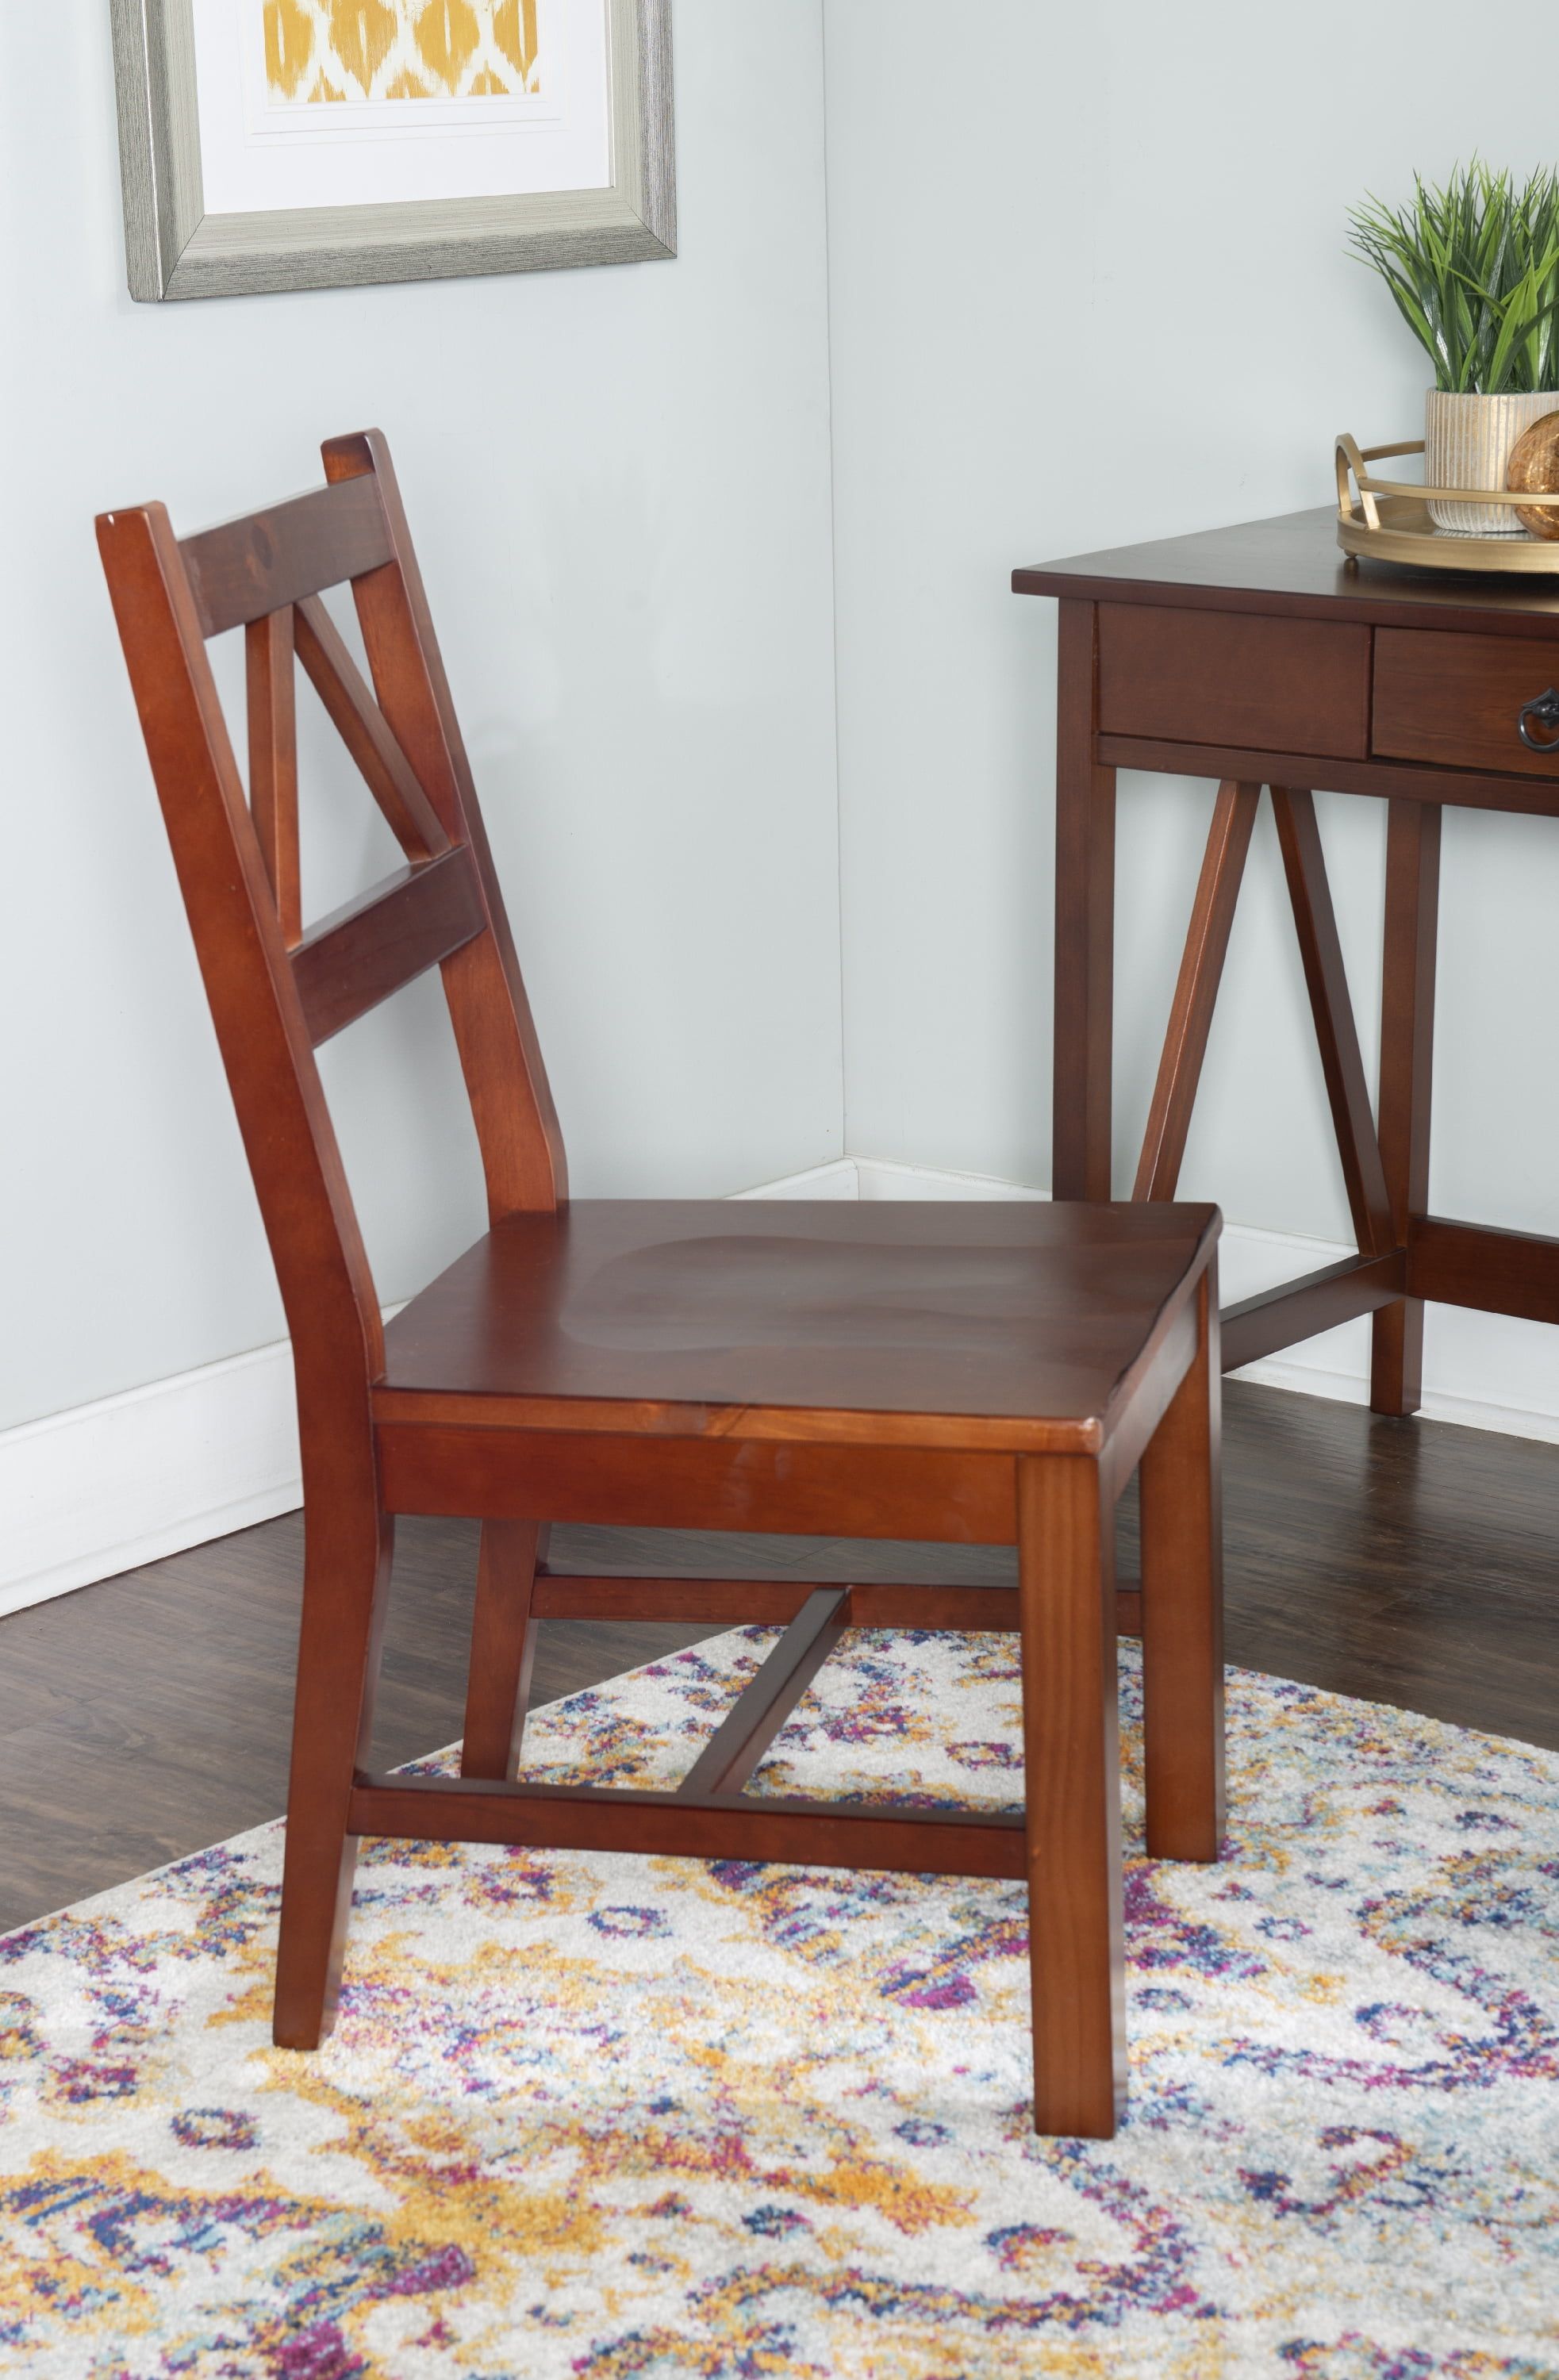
[(1473, 266)]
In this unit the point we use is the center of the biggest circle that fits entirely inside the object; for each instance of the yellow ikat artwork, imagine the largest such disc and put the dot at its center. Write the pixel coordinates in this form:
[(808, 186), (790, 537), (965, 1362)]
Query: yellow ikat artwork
[(322, 50)]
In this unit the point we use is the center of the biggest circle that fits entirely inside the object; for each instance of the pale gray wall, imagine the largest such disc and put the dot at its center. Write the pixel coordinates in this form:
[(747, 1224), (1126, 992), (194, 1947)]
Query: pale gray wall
[(1089, 287), (619, 480), (1084, 283)]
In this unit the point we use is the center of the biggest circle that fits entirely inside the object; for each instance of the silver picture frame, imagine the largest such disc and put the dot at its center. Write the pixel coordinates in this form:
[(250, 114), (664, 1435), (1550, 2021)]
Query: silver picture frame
[(173, 249)]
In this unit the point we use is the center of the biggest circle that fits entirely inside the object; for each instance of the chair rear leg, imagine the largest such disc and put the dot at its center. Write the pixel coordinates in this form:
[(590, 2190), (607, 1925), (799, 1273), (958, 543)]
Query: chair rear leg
[(1183, 1610), (1071, 1755), (502, 1647), (346, 1571)]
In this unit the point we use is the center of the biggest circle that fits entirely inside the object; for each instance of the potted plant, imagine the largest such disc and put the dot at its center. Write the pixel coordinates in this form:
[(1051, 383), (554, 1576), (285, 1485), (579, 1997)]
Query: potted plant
[(1474, 269)]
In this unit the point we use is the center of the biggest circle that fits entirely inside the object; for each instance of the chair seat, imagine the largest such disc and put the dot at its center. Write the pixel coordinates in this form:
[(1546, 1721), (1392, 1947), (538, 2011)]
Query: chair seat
[(818, 1315)]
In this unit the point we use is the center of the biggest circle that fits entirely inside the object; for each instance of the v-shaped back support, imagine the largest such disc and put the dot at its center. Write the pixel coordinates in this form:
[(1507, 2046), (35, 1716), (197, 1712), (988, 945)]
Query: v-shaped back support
[(275, 990)]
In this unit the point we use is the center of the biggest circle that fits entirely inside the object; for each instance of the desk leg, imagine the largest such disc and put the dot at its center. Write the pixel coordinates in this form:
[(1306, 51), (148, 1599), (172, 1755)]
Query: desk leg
[(1085, 921), (1196, 991), (1406, 1061)]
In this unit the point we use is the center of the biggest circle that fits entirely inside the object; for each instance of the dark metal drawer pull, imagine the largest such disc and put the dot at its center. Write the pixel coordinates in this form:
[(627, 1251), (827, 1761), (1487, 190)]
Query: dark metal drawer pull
[(1545, 709)]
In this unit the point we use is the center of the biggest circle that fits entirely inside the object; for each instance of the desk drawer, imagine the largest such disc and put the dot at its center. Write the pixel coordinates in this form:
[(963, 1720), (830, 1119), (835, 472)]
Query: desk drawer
[(1457, 699), (1234, 678)]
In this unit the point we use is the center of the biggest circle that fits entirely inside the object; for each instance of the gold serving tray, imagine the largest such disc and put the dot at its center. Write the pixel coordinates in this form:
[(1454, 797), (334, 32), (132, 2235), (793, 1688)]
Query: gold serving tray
[(1387, 520)]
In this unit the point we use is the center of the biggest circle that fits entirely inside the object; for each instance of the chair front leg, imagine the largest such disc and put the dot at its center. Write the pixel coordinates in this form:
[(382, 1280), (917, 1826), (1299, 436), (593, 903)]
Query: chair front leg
[(502, 1647), (1182, 1608), (347, 1574), (1071, 1751)]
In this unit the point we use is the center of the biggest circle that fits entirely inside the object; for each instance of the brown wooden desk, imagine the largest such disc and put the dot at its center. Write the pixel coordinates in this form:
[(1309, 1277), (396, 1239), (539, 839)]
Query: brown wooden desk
[(1261, 656)]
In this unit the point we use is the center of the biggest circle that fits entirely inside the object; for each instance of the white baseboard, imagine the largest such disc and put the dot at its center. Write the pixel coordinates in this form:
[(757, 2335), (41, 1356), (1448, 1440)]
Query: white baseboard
[(839, 1179), (880, 1178), (105, 1486)]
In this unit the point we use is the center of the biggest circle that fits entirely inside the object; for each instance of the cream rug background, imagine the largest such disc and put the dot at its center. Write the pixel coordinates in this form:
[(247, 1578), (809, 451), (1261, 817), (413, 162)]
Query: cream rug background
[(595, 2115)]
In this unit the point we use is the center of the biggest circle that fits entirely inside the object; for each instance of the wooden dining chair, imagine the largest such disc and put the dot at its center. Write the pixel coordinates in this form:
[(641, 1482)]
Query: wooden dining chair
[(986, 1375)]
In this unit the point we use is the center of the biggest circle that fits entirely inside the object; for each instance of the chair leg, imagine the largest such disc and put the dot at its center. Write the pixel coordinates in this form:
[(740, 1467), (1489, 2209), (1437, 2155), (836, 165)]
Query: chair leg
[(502, 1647), (346, 1571), (1072, 1769), (1182, 1608)]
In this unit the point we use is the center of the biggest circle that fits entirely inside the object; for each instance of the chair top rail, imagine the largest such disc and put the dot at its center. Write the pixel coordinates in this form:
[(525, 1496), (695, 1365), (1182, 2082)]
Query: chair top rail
[(245, 567)]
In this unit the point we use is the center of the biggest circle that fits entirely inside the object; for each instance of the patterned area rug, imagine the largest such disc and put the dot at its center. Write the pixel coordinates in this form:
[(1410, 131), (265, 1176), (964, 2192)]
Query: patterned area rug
[(602, 2116)]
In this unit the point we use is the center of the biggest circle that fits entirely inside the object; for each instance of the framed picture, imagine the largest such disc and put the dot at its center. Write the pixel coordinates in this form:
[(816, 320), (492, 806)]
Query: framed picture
[(314, 144)]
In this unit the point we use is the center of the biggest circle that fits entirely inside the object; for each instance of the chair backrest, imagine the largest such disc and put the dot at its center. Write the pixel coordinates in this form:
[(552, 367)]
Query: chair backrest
[(276, 991)]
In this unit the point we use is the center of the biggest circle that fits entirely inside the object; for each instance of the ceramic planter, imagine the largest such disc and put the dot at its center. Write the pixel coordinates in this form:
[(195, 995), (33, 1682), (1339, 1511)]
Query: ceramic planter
[(1466, 444)]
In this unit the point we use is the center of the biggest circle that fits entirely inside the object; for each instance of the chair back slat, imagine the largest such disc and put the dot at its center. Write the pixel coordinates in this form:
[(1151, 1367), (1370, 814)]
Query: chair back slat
[(387, 771), (357, 957), (273, 761), (521, 1143), (276, 992), (248, 567)]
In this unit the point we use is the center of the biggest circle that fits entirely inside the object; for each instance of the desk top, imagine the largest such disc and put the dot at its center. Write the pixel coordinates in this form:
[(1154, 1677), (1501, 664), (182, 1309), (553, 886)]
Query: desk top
[(1294, 565)]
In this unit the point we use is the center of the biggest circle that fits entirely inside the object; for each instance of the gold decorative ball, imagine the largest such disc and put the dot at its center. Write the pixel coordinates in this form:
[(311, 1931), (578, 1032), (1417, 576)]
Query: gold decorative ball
[(1534, 470)]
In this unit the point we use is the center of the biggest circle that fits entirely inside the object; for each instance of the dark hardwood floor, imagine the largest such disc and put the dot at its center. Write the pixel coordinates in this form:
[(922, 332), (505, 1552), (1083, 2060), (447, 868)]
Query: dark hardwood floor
[(1409, 1562)]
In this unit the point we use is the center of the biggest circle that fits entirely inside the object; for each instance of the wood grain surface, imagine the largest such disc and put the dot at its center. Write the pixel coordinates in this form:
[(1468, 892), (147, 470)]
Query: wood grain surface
[(1457, 701), (1293, 564), (1231, 677), (703, 1316)]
